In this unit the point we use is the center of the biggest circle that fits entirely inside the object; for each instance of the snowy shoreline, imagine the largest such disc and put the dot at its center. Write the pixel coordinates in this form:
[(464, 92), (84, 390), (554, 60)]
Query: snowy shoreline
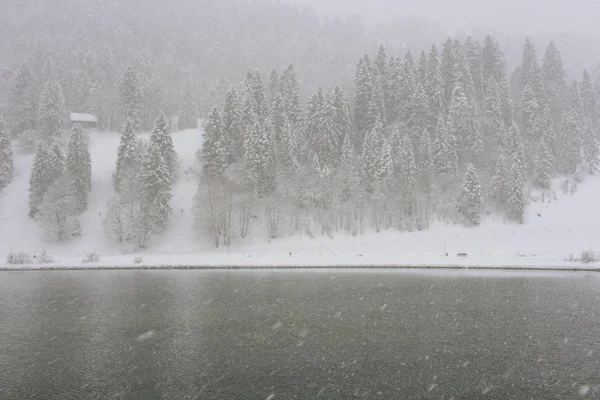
[(449, 267)]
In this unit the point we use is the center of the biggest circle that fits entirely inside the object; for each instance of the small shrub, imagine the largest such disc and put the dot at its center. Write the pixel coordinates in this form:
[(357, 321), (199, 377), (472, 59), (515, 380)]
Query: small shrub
[(589, 256), (19, 258), (45, 258), (91, 258), (138, 260)]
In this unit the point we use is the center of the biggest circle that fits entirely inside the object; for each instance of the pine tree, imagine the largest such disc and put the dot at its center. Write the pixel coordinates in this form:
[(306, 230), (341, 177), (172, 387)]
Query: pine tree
[(470, 203), (578, 175), (418, 111), (188, 116), (79, 168), (569, 156), (464, 126), (516, 150), (273, 84), (473, 55), (547, 133), (214, 149), (424, 160), (260, 152), (232, 125), (448, 70), (23, 102), (314, 118), (38, 185), (363, 96), (435, 89), (591, 148), (290, 90), (528, 64), (255, 90), (500, 182), (443, 149), (161, 137), (555, 80), (155, 195), (341, 108), (131, 98), (588, 98), (492, 62), (374, 165), (516, 194), (544, 166), (127, 154), (6, 156), (52, 112), (406, 170), (57, 212)]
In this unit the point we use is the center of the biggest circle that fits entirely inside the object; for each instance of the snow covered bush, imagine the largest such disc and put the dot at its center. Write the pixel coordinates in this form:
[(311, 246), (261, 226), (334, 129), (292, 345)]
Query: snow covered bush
[(45, 258), (19, 258), (91, 258), (138, 260), (589, 256)]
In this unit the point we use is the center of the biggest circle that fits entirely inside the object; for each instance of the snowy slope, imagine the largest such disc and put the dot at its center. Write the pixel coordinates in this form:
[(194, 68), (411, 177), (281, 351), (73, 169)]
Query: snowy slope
[(552, 231)]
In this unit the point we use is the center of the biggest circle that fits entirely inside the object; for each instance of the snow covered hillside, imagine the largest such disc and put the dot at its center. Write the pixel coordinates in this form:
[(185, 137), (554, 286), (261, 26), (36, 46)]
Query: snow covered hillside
[(553, 230)]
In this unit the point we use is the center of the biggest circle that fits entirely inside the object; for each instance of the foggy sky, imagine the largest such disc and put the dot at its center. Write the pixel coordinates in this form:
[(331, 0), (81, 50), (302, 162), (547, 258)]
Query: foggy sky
[(509, 16)]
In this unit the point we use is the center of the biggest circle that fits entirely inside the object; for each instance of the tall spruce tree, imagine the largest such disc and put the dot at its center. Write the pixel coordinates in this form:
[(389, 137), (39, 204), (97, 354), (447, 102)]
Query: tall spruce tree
[(255, 90), (58, 211), (232, 125), (569, 144), (155, 195), (591, 148), (161, 137), (38, 184), (555, 80), (375, 167), (6, 155), (79, 169), (500, 182), (23, 101), (544, 166), (261, 154), (52, 112), (516, 194), (364, 88), (470, 204), (131, 98), (214, 149), (292, 96), (444, 150), (127, 154)]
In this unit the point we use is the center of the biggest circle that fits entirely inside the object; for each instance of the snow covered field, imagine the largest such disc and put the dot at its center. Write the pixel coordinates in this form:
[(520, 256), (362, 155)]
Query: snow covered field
[(552, 231)]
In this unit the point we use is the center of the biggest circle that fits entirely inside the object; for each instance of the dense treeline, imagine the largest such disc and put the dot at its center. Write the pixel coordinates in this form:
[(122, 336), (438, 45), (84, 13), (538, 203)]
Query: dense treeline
[(447, 135)]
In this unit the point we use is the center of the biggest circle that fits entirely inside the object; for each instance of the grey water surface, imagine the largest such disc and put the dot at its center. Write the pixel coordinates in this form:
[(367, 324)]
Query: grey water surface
[(299, 335)]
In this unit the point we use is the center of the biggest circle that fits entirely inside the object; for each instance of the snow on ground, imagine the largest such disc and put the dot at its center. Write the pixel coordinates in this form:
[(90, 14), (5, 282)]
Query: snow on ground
[(553, 230)]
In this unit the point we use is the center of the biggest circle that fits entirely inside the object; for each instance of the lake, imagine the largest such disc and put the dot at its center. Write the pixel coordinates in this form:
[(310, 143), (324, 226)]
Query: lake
[(330, 334)]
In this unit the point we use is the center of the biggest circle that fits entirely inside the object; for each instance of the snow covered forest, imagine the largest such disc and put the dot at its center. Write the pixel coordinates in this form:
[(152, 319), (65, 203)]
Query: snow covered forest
[(442, 131)]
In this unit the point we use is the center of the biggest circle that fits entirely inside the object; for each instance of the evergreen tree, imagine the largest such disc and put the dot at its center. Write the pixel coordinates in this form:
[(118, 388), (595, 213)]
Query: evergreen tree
[(6, 155), (314, 118), (569, 156), (470, 204), (57, 212), (435, 89), (375, 166), (232, 125), (214, 149), (38, 185), (382, 66), (492, 62), (273, 84), (588, 98), (473, 56), (464, 127), (406, 170), (290, 90), (23, 102), (516, 194), (127, 154), (424, 160), (547, 133), (131, 98), (444, 152), (155, 195), (578, 175), (418, 111), (422, 70), (188, 116), (544, 166), (255, 90), (516, 149), (591, 148), (363, 96), (79, 169), (260, 152), (161, 137), (528, 64), (342, 111), (555, 80), (500, 182), (448, 70), (52, 112)]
